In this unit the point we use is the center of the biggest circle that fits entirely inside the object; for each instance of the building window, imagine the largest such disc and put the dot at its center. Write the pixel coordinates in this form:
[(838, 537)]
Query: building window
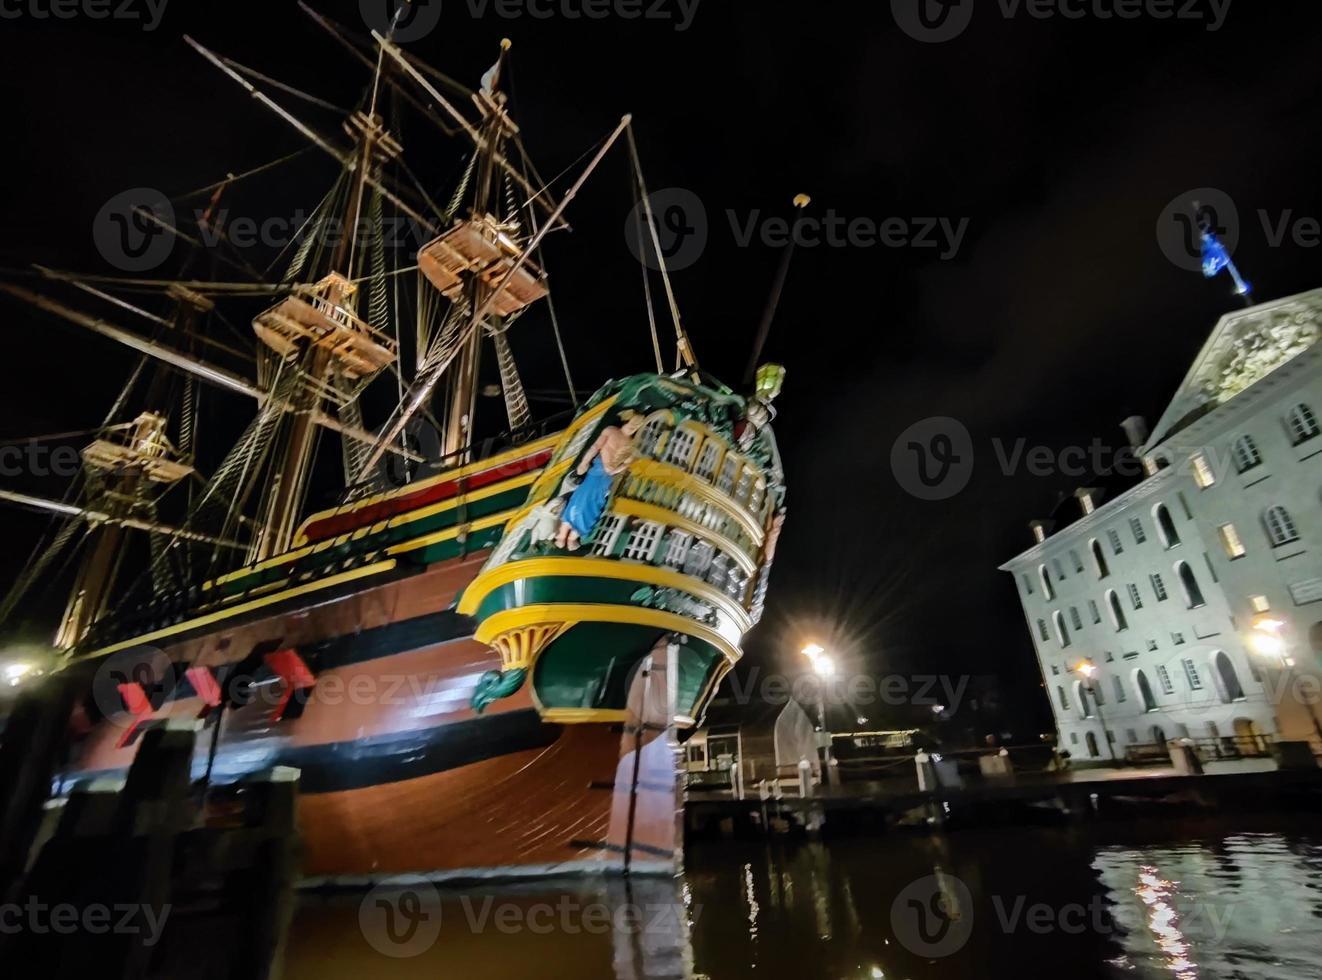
[(1152, 646), (650, 436), (1096, 691), (680, 449), (677, 548), (1078, 562), (1202, 472), (1280, 526), (1131, 735), (1063, 698), (1166, 526), (1259, 603), (606, 534), (1028, 583), (1099, 559), (1145, 691), (1246, 454), (1113, 536), (1117, 614), (1061, 632), (1075, 621), (1136, 526), (1193, 594), (1177, 639), (1230, 541), (728, 471), (1164, 678), (1158, 587), (1302, 423), (699, 559), (1110, 657), (1055, 671), (711, 455), (1227, 680), (1120, 694), (643, 541), (1045, 577), (1058, 568), (1074, 738), (1191, 675), (1042, 630), (1135, 599), (1096, 613)]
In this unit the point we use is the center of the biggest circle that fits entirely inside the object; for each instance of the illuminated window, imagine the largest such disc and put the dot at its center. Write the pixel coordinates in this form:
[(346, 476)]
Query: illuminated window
[(643, 541), (1230, 541), (1202, 472), (1246, 454), (1259, 603)]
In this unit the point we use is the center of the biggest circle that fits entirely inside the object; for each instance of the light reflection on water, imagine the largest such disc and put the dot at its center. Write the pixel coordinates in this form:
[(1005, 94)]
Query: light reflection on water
[(1186, 901)]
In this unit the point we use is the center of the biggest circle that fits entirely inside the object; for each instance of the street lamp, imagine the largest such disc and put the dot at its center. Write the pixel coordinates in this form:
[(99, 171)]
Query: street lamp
[(1089, 670), (1267, 639), (824, 667)]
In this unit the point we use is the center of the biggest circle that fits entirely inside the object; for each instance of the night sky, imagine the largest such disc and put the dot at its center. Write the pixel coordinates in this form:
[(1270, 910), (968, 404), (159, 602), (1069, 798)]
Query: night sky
[(1059, 141)]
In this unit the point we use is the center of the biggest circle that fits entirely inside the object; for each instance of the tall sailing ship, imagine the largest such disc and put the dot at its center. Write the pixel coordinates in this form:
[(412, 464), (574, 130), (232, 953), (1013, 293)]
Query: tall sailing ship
[(479, 658)]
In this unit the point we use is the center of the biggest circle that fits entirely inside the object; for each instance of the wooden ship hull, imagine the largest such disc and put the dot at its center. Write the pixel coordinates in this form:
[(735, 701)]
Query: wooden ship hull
[(459, 699)]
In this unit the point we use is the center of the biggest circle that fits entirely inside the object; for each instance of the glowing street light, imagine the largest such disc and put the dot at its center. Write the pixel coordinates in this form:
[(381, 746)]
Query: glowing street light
[(824, 667), (1088, 670), (1267, 639)]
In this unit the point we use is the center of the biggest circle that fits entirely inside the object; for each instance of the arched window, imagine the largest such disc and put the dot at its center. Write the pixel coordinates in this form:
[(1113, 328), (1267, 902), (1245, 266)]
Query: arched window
[(1048, 589), (1144, 691), (1081, 695), (1099, 559), (1165, 526), (1302, 423), (1280, 526), (1227, 679), (1117, 613), (1063, 698), (1061, 632), (1193, 594), (1091, 741), (1246, 453)]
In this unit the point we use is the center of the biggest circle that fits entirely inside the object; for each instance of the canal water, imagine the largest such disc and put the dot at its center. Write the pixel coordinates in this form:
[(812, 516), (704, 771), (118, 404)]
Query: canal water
[(1179, 900)]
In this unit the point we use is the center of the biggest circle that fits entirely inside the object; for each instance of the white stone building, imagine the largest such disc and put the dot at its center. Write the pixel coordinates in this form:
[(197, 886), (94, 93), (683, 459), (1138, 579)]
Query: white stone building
[(1195, 596)]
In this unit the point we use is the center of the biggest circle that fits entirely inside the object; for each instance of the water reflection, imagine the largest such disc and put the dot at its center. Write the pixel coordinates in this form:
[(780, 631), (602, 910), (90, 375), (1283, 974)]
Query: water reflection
[(1185, 901)]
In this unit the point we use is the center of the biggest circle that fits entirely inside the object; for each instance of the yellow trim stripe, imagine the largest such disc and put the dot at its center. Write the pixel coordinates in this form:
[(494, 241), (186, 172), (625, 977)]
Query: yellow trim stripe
[(580, 716), (450, 532), (340, 579), (529, 449), (552, 612), (610, 568)]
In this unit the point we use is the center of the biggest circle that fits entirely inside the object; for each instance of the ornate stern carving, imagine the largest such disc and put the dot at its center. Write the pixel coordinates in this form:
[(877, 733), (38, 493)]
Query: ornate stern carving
[(518, 648)]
